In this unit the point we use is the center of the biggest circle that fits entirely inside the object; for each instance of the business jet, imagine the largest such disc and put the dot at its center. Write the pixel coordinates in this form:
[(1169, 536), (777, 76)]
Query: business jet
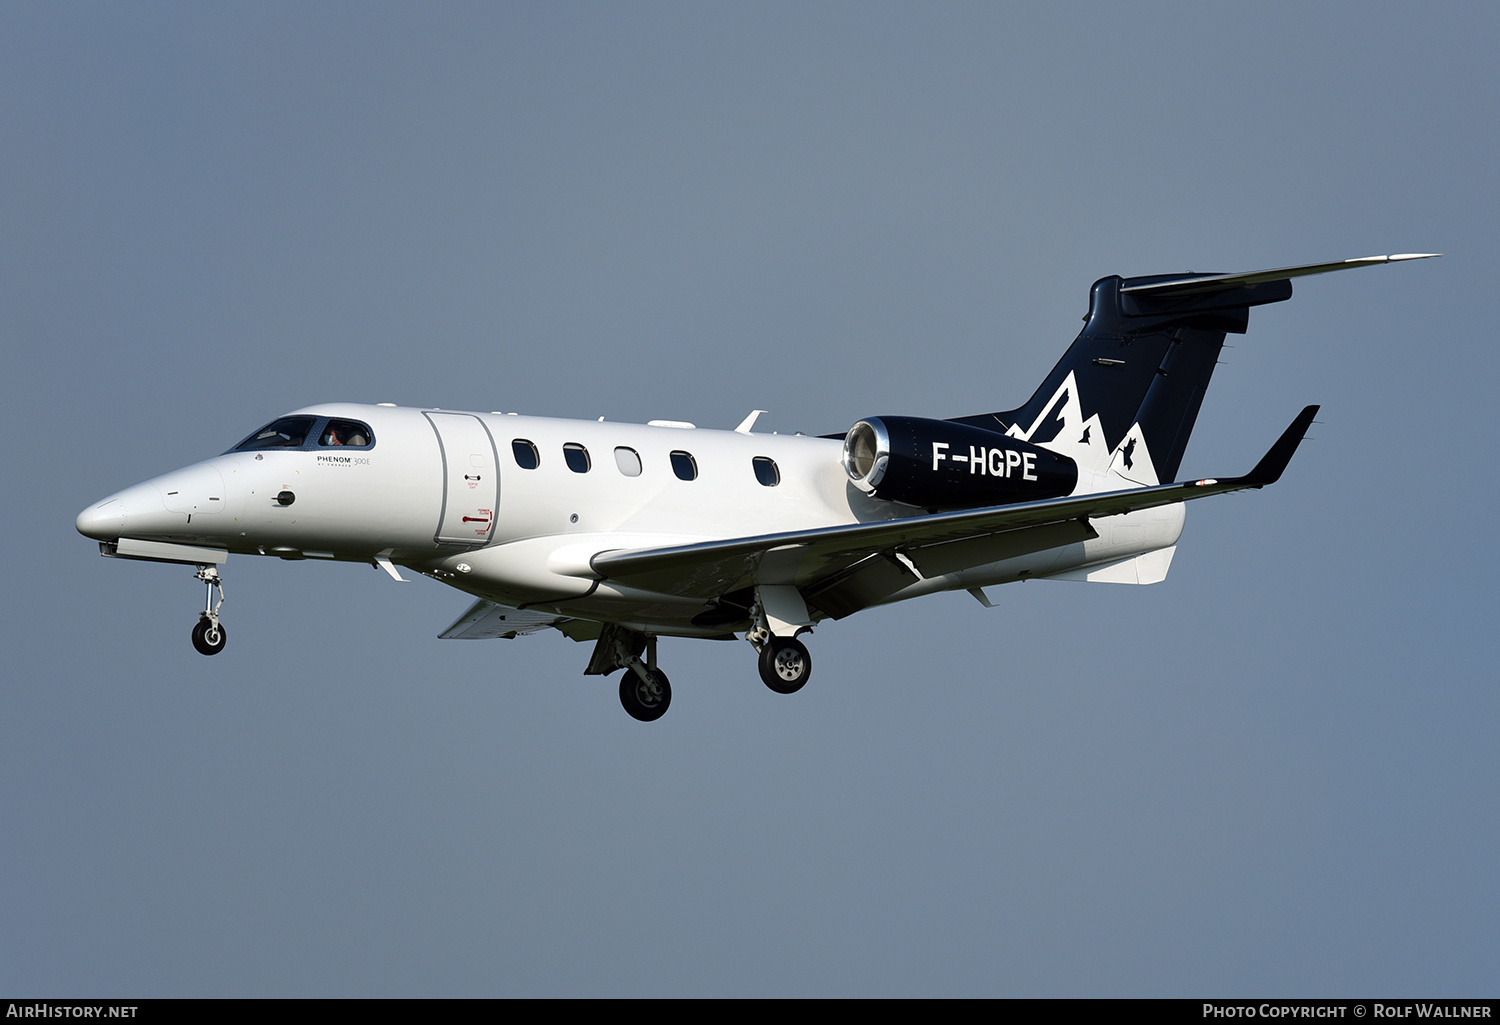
[(622, 533)]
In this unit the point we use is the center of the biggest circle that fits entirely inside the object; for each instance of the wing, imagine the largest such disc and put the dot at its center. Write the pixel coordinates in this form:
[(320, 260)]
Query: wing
[(812, 559), (486, 619)]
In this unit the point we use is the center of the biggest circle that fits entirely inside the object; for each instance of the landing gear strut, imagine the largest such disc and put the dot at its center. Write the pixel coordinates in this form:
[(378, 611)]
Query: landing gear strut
[(208, 634)]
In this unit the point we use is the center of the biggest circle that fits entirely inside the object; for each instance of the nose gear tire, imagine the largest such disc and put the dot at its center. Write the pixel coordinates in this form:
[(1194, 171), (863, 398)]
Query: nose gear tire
[(209, 637)]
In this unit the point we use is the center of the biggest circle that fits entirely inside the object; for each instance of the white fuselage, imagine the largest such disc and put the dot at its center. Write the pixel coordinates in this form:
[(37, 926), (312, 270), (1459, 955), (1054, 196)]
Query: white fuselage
[(445, 494)]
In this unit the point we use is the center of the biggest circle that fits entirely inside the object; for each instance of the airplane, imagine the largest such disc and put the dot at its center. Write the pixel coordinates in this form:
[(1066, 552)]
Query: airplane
[(622, 533)]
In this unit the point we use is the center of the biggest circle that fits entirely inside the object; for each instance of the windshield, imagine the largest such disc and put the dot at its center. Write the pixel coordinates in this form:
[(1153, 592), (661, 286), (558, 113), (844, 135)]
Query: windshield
[(288, 432)]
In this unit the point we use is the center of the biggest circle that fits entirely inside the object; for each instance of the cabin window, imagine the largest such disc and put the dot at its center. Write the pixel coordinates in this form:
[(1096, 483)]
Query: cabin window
[(345, 433), (628, 460), (288, 432), (527, 457), (576, 456), (766, 471), (685, 466)]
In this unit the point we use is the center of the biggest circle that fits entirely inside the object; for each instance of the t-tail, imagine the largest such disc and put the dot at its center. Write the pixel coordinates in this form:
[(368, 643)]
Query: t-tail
[(1122, 401)]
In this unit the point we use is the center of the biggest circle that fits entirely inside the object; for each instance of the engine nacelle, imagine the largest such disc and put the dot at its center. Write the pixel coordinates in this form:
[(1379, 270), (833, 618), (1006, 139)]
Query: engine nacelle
[(936, 464)]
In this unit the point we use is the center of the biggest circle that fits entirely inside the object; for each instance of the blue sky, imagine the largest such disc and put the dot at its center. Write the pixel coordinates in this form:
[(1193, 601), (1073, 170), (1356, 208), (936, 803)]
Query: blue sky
[(1273, 773)]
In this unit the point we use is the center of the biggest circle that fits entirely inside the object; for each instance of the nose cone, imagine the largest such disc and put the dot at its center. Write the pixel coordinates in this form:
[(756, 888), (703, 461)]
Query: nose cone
[(102, 522), (138, 511)]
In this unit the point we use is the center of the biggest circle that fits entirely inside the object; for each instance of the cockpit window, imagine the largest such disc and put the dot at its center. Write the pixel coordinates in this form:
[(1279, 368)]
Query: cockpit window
[(288, 432), (348, 433)]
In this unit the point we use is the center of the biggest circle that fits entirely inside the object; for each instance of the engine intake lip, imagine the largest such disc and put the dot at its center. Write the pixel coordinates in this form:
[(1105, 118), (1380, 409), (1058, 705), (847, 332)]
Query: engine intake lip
[(867, 453)]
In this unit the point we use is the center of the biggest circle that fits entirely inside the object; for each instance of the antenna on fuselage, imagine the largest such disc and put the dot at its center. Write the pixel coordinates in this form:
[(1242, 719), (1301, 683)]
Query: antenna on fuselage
[(749, 421)]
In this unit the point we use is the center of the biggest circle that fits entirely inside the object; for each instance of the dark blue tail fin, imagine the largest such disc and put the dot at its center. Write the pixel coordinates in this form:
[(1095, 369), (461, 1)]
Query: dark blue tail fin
[(1123, 400)]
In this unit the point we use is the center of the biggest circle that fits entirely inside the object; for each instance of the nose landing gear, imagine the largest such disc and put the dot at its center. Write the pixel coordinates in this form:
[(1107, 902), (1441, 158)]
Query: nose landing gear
[(208, 634)]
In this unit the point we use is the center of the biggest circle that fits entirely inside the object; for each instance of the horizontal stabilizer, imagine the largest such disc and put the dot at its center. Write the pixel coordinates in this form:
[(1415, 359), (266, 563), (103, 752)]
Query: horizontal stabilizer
[(1194, 284)]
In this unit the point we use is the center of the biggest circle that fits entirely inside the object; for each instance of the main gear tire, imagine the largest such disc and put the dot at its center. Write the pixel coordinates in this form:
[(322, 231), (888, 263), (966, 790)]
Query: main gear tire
[(785, 664), (648, 699)]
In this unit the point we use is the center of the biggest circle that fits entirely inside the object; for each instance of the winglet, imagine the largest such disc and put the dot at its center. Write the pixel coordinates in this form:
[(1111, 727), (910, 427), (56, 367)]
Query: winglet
[(1271, 465)]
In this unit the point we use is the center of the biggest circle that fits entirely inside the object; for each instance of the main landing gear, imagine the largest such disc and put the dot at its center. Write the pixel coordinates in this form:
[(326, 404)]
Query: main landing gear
[(208, 635), (785, 664), (645, 691)]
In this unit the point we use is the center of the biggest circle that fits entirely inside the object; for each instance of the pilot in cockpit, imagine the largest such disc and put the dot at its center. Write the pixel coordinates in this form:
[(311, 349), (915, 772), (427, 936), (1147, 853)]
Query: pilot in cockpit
[(345, 432)]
